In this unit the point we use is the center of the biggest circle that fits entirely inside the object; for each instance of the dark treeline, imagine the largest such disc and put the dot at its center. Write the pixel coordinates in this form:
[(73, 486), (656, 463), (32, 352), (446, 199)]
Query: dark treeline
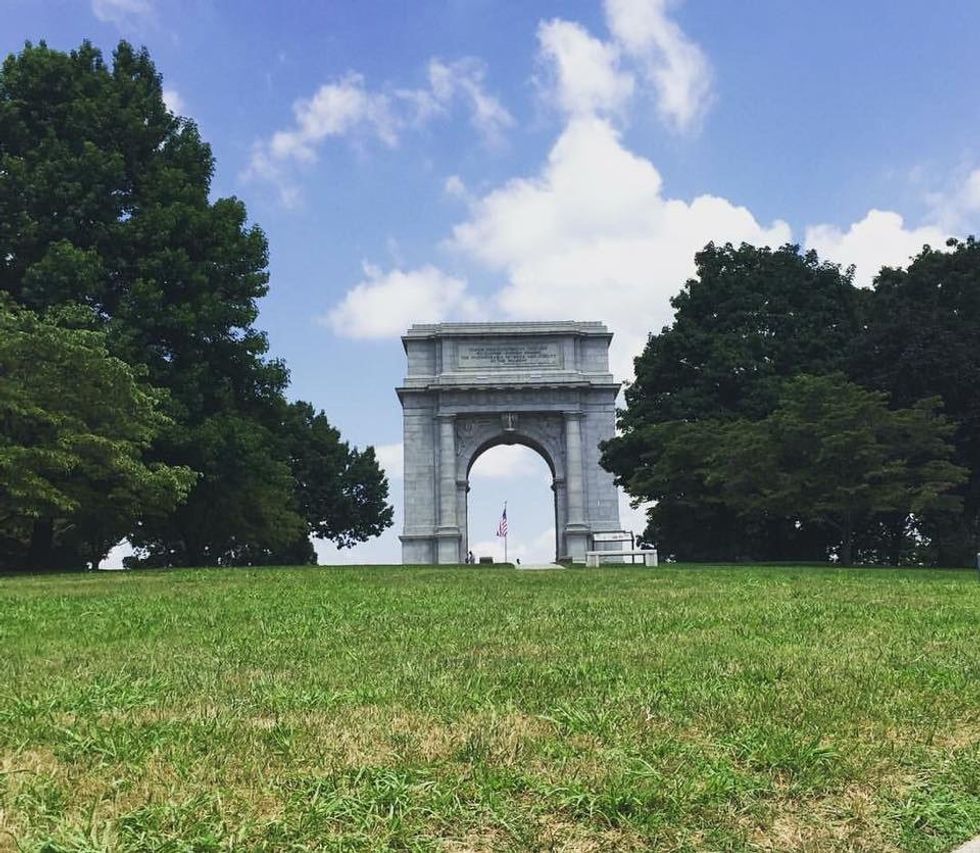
[(787, 414), (136, 397)]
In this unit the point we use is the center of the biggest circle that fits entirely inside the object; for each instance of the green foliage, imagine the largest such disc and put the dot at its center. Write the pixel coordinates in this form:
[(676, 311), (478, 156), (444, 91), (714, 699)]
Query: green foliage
[(75, 423), (243, 511), (923, 340), (105, 203), (830, 458), (751, 318), (837, 455), (485, 709), (342, 492)]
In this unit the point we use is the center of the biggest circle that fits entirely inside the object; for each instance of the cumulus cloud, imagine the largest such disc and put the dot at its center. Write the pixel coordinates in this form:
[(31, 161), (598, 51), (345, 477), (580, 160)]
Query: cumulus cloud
[(455, 188), (584, 75), (336, 109), (384, 304), (175, 103), (510, 461), (346, 107), (594, 235), (464, 80), (391, 457), (880, 239), (592, 232), (581, 73), (530, 549), (958, 209), (676, 67), (122, 12)]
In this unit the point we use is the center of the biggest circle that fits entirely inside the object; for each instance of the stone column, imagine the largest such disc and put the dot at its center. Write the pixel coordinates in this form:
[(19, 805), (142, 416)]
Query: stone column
[(447, 470), (576, 484), (576, 531), (561, 517), (462, 499), (448, 530)]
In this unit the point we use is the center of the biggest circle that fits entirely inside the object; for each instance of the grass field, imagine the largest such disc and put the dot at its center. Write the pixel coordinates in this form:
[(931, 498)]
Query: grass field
[(683, 708)]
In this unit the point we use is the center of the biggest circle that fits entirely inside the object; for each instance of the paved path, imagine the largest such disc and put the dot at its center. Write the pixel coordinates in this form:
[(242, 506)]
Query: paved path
[(970, 846), (537, 567)]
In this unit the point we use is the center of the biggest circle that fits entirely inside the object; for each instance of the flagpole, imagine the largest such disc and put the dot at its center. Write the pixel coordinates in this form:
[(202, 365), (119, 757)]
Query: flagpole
[(506, 530)]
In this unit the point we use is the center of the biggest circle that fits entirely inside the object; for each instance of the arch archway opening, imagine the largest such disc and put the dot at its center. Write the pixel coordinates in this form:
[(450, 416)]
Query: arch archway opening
[(522, 476)]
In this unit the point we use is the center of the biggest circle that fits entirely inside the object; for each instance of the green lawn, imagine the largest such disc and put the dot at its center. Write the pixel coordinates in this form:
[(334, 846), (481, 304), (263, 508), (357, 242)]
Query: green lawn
[(681, 708)]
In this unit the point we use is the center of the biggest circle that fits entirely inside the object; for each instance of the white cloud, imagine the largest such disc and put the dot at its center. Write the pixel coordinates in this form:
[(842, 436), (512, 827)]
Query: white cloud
[(122, 12), (530, 549), (969, 196), (583, 73), (175, 103), (381, 550), (510, 461), (674, 65), (391, 457), (348, 108), (463, 80), (344, 107), (335, 110), (880, 239), (387, 303), (587, 76), (455, 188), (958, 209), (593, 236), (632, 519)]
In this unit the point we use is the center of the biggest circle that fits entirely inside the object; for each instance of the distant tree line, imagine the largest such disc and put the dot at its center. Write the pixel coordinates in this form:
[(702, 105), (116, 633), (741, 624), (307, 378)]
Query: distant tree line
[(787, 414), (136, 397)]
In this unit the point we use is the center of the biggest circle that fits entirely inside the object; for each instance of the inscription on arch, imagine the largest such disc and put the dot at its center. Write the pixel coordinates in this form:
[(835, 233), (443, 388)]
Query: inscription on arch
[(514, 354)]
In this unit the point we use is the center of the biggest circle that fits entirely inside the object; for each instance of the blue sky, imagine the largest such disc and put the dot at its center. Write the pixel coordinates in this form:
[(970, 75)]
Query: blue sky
[(469, 159)]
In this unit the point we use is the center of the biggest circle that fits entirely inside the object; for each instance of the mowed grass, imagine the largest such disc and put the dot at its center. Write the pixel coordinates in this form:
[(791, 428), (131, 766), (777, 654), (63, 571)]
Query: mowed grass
[(682, 708)]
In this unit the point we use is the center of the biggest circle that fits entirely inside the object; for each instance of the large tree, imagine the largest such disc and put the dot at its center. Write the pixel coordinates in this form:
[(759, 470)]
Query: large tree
[(105, 202), (749, 319), (831, 457), (75, 423), (833, 454), (341, 490), (923, 340)]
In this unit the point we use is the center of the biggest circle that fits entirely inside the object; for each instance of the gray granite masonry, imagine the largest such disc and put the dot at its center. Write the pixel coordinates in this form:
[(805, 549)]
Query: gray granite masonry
[(472, 386)]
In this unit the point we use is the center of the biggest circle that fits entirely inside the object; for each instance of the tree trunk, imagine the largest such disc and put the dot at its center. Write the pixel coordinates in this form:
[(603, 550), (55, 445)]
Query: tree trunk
[(39, 555), (847, 545)]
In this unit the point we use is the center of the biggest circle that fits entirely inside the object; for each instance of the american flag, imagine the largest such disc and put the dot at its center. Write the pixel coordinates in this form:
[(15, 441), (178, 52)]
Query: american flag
[(502, 527)]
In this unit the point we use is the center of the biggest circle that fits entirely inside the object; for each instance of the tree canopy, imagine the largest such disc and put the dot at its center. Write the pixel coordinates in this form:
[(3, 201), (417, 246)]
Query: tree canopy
[(76, 423), (922, 340), (751, 318), (787, 414), (105, 204)]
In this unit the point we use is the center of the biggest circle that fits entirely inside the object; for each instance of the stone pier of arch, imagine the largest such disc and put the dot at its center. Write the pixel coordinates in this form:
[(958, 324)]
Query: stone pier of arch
[(473, 386)]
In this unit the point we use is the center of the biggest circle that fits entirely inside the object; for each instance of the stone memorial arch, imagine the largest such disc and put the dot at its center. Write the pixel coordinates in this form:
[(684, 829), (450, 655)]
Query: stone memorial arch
[(472, 386)]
